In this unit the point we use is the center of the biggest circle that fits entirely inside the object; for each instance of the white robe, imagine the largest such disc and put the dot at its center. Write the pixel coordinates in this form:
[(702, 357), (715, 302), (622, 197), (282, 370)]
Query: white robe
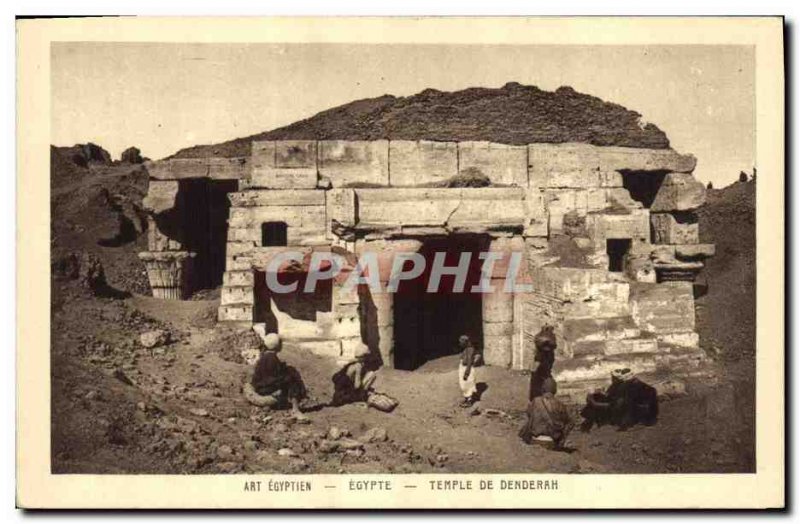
[(468, 387)]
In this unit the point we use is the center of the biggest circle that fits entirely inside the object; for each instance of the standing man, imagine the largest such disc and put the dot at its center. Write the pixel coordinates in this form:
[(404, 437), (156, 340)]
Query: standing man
[(466, 371), (543, 360)]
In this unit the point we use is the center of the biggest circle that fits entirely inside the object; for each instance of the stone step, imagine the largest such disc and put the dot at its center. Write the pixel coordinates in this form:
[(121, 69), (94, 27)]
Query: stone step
[(593, 367), (595, 329), (238, 278), (327, 347), (235, 313), (668, 385), (601, 300), (584, 348), (231, 295)]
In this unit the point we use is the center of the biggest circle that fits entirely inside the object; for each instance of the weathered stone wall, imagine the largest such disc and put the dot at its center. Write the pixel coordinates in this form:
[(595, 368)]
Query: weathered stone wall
[(345, 163), (380, 195), (284, 165), (407, 163), (503, 164), (475, 209), (666, 310)]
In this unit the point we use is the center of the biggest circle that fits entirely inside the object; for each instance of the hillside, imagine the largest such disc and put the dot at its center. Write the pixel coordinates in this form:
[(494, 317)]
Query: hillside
[(95, 208), (727, 313), (512, 114)]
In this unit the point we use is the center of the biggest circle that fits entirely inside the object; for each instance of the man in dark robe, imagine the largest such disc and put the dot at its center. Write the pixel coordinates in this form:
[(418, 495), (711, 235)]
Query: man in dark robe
[(272, 377), (626, 402), (548, 417)]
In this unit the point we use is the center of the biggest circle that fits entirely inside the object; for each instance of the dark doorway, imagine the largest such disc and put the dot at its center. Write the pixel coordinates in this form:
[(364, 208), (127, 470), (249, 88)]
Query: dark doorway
[(617, 249), (427, 325), (643, 185), (203, 206)]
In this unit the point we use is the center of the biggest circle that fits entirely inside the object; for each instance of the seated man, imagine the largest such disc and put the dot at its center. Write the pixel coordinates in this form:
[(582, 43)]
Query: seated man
[(354, 379), (273, 382), (626, 402), (547, 418)]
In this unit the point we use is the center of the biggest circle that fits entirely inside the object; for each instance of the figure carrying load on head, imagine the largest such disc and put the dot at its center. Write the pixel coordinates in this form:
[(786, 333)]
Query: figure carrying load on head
[(543, 360)]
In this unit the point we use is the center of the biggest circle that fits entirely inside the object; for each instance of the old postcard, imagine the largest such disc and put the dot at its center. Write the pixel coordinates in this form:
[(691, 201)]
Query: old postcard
[(400, 263)]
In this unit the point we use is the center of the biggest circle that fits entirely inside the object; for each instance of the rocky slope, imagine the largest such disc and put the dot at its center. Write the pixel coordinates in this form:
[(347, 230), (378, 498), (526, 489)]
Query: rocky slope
[(727, 313), (95, 208), (512, 114)]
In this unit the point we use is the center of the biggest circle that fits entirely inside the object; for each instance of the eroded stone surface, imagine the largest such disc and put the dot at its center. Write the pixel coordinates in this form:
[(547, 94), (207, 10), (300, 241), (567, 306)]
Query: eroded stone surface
[(679, 192), (608, 305)]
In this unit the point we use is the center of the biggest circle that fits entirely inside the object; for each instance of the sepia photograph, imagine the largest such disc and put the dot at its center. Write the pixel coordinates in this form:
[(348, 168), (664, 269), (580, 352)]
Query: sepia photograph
[(387, 261)]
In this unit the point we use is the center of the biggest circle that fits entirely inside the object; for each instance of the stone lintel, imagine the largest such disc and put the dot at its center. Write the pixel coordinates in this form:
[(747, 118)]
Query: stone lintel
[(544, 158), (278, 197), (218, 168)]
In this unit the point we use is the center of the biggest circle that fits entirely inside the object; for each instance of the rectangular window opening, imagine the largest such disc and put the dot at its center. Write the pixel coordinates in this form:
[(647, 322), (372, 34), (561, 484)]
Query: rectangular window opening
[(617, 249), (273, 234)]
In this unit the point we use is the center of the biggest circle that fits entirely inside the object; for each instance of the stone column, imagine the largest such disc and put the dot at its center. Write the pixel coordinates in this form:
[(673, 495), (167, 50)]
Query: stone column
[(378, 308), (169, 272), (498, 310), (384, 322), (345, 319)]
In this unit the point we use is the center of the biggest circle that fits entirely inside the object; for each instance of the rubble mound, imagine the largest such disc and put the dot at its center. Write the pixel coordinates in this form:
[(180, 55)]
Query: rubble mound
[(132, 155), (512, 114), (62, 166), (96, 208), (727, 312), (470, 177), (87, 270), (84, 155), (84, 267), (234, 344)]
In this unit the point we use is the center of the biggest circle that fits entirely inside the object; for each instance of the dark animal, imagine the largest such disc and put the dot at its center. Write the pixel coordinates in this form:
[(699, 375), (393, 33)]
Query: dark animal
[(624, 404)]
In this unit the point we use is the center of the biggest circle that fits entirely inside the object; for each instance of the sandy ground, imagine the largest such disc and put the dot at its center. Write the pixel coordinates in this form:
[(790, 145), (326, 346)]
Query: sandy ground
[(121, 408)]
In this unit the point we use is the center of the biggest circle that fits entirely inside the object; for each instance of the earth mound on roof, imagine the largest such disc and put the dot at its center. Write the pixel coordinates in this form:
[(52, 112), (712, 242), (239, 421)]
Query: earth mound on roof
[(512, 114)]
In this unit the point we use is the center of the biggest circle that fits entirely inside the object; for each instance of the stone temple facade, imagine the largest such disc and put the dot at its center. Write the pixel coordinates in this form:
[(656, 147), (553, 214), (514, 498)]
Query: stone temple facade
[(609, 237)]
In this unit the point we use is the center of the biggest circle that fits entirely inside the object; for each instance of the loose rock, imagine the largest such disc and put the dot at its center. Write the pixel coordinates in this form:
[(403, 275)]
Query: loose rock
[(335, 433), (376, 434), (155, 338), (348, 443), (225, 452)]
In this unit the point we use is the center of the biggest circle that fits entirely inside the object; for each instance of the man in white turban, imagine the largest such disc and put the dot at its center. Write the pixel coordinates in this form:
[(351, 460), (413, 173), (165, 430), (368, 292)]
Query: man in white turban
[(352, 382)]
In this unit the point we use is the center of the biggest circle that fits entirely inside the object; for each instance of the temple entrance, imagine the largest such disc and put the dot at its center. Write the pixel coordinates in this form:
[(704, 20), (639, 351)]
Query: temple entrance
[(427, 325), (202, 205)]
